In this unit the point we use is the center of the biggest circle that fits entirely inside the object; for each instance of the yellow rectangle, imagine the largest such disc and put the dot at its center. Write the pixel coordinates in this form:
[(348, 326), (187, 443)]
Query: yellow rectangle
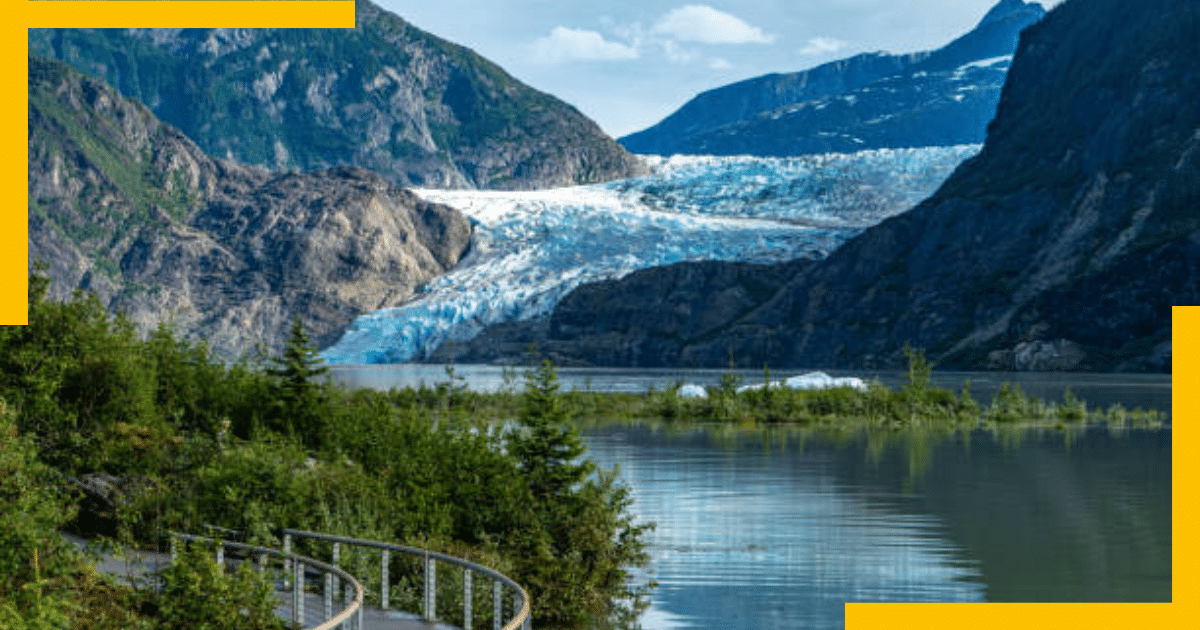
[(1185, 408), (190, 14), (14, 42)]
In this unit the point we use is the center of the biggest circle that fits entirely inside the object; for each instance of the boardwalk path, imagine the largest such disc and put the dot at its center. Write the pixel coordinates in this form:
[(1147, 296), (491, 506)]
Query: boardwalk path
[(144, 563)]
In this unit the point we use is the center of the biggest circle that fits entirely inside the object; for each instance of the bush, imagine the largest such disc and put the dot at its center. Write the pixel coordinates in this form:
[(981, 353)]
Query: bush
[(197, 594), (35, 563)]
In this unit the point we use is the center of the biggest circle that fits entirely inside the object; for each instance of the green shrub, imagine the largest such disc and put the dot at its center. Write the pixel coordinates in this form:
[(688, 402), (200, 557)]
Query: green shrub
[(197, 594), (35, 563)]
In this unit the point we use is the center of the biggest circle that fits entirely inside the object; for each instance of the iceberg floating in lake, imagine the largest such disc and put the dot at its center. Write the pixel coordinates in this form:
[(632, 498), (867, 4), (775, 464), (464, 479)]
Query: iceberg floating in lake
[(812, 380), (821, 380)]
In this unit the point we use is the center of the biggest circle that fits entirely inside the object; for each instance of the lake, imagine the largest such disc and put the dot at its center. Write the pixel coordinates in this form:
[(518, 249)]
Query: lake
[(777, 528)]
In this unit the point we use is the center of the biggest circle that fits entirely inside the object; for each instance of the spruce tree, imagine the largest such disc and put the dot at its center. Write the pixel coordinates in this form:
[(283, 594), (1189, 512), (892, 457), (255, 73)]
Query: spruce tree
[(299, 390), (547, 446)]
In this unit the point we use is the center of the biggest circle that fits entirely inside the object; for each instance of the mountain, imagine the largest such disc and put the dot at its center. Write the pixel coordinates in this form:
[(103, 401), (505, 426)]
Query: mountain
[(1061, 245), (129, 207), (875, 100), (384, 96)]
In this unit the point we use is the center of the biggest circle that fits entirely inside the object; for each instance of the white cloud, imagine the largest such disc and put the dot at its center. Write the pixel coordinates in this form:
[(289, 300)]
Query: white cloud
[(676, 53), (704, 24), (571, 44), (822, 45), (719, 64)]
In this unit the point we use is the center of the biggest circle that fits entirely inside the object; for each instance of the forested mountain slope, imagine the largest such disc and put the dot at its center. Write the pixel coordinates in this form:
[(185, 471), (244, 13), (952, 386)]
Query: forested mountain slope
[(384, 95)]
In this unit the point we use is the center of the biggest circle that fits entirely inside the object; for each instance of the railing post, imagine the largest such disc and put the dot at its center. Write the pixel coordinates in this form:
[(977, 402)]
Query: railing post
[(328, 595), (333, 581), (497, 604), (174, 548), (466, 599), (347, 588), (383, 589), (221, 556), (430, 589), (287, 563), (297, 592)]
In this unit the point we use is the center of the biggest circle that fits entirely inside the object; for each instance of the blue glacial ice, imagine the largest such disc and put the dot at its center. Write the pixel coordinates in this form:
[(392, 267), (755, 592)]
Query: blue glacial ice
[(529, 249)]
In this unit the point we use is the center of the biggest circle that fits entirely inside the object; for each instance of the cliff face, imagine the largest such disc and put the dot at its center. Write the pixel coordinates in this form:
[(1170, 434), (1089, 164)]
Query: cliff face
[(130, 208), (936, 98), (384, 96), (647, 319), (1062, 245)]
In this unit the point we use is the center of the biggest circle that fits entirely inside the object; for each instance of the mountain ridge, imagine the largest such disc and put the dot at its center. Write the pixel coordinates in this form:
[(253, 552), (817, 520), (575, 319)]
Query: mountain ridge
[(846, 105), (385, 96)]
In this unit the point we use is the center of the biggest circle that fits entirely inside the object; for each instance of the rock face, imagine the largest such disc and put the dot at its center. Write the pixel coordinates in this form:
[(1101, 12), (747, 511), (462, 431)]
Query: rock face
[(384, 96), (1062, 245), (870, 101), (647, 319), (130, 208)]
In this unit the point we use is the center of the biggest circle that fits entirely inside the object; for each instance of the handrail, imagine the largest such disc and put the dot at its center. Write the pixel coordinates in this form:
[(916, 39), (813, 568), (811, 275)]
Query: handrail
[(521, 618), (351, 613)]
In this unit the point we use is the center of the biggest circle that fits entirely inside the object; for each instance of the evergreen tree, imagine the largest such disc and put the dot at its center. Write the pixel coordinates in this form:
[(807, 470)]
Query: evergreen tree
[(574, 560), (299, 392), (547, 446)]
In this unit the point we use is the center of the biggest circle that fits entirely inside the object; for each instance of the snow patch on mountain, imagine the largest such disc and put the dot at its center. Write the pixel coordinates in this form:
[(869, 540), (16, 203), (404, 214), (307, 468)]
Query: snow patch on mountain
[(1002, 63), (529, 249)]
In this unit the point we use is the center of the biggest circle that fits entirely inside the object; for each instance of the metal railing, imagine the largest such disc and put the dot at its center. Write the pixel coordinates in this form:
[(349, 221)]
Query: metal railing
[(520, 616), (335, 607)]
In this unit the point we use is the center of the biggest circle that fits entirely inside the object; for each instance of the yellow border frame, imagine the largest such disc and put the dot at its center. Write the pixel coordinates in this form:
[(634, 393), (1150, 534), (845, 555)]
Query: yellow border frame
[(14, 77), (340, 14), (1185, 404)]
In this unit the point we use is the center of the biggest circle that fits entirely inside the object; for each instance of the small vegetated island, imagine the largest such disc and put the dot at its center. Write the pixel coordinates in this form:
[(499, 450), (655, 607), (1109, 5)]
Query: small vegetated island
[(268, 443), (816, 399)]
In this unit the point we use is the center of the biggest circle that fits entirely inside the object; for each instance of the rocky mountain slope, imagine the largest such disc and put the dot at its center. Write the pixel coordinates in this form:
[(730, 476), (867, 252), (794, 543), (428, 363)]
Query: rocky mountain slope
[(384, 96), (126, 206), (1062, 245), (869, 101)]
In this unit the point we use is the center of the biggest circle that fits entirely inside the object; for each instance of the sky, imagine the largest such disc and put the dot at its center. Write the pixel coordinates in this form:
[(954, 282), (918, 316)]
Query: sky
[(627, 65)]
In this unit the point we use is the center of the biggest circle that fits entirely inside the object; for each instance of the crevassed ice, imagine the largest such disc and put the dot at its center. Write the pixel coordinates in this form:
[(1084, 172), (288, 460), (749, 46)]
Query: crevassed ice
[(529, 249)]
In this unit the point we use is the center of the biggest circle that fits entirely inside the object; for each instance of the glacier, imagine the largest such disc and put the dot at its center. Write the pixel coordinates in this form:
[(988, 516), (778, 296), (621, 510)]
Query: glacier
[(530, 248)]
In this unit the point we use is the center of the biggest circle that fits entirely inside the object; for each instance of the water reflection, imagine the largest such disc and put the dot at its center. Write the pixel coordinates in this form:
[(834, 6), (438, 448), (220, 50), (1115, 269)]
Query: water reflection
[(777, 529)]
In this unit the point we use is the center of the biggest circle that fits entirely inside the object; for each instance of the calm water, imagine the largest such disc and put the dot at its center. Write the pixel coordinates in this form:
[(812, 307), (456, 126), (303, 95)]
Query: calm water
[(777, 529), (762, 531)]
